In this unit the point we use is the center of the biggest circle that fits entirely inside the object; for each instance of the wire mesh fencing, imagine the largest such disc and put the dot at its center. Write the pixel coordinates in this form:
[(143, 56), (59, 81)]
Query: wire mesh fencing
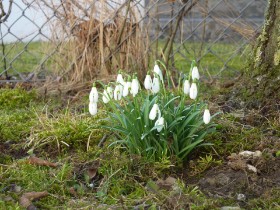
[(82, 40)]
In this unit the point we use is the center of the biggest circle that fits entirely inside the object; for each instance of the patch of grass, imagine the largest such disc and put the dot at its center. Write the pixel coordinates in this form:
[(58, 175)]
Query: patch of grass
[(65, 130), (37, 178), (219, 59), (29, 56), (231, 136)]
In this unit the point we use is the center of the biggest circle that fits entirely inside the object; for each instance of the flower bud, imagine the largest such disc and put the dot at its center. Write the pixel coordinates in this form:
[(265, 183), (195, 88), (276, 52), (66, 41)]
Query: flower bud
[(206, 116), (148, 82), (154, 112), (118, 92), (195, 73), (126, 88), (92, 108), (159, 124), (158, 72), (93, 96), (193, 91), (134, 87), (186, 87), (107, 94), (120, 79), (155, 85)]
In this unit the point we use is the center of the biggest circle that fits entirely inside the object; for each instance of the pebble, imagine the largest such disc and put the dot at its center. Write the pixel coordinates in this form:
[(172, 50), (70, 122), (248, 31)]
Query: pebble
[(252, 168), (241, 197)]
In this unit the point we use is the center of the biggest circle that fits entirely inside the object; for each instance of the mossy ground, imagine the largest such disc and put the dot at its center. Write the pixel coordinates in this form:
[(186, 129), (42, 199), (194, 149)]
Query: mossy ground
[(90, 176)]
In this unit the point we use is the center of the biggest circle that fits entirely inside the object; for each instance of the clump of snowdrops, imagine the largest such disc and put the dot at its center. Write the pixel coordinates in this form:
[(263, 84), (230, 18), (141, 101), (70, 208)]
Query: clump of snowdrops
[(156, 121)]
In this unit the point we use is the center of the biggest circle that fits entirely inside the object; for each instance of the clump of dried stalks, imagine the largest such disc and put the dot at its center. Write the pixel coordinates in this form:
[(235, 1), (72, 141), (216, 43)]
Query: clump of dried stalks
[(97, 38)]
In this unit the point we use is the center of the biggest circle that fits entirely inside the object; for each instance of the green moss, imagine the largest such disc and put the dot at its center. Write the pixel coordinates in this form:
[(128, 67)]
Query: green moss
[(16, 125), (277, 58), (16, 98)]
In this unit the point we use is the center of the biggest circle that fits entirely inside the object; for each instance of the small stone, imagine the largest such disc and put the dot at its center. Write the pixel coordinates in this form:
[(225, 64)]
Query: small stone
[(211, 181), (222, 179), (246, 154), (257, 154), (252, 168), (230, 208), (241, 197)]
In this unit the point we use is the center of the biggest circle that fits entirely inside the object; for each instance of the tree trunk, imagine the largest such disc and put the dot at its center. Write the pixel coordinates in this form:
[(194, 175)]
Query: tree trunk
[(264, 69)]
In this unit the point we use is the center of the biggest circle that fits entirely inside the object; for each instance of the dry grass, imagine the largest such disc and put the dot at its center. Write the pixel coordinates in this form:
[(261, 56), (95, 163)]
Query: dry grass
[(96, 40)]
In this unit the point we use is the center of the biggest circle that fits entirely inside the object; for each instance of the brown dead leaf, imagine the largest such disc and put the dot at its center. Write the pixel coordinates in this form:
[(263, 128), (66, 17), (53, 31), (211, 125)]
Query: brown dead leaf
[(35, 195), (27, 198), (40, 162), (92, 173), (73, 192)]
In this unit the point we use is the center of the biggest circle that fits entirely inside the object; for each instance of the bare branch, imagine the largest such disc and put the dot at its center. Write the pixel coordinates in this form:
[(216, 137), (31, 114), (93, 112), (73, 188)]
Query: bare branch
[(4, 16)]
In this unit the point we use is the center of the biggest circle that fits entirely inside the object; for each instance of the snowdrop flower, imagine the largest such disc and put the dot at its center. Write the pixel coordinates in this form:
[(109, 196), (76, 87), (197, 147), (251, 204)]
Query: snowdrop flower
[(126, 88), (186, 87), (160, 124), (155, 85), (158, 72), (193, 91), (195, 73), (107, 95), (206, 116), (93, 96), (118, 92), (120, 79), (92, 108), (148, 82), (134, 87), (154, 112)]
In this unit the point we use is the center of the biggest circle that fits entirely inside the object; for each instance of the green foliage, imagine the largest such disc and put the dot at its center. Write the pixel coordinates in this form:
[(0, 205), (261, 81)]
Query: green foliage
[(184, 129), (202, 164), (16, 98)]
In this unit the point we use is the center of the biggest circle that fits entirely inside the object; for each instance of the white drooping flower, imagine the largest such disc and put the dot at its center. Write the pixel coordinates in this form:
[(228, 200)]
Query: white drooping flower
[(206, 116), (126, 88), (93, 95), (159, 124), (107, 95), (155, 85), (154, 112), (186, 87), (134, 87), (158, 72), (120, 79), (148, 82), (193, 91), (118, 92), (195, 73), (92, 108)]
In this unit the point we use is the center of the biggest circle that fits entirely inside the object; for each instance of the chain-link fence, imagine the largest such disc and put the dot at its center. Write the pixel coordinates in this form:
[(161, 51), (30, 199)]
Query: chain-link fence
[(82, 40)]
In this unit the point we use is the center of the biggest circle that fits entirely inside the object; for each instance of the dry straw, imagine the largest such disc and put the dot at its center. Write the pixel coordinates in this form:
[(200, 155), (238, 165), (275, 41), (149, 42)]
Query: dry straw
[(97, 38)]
